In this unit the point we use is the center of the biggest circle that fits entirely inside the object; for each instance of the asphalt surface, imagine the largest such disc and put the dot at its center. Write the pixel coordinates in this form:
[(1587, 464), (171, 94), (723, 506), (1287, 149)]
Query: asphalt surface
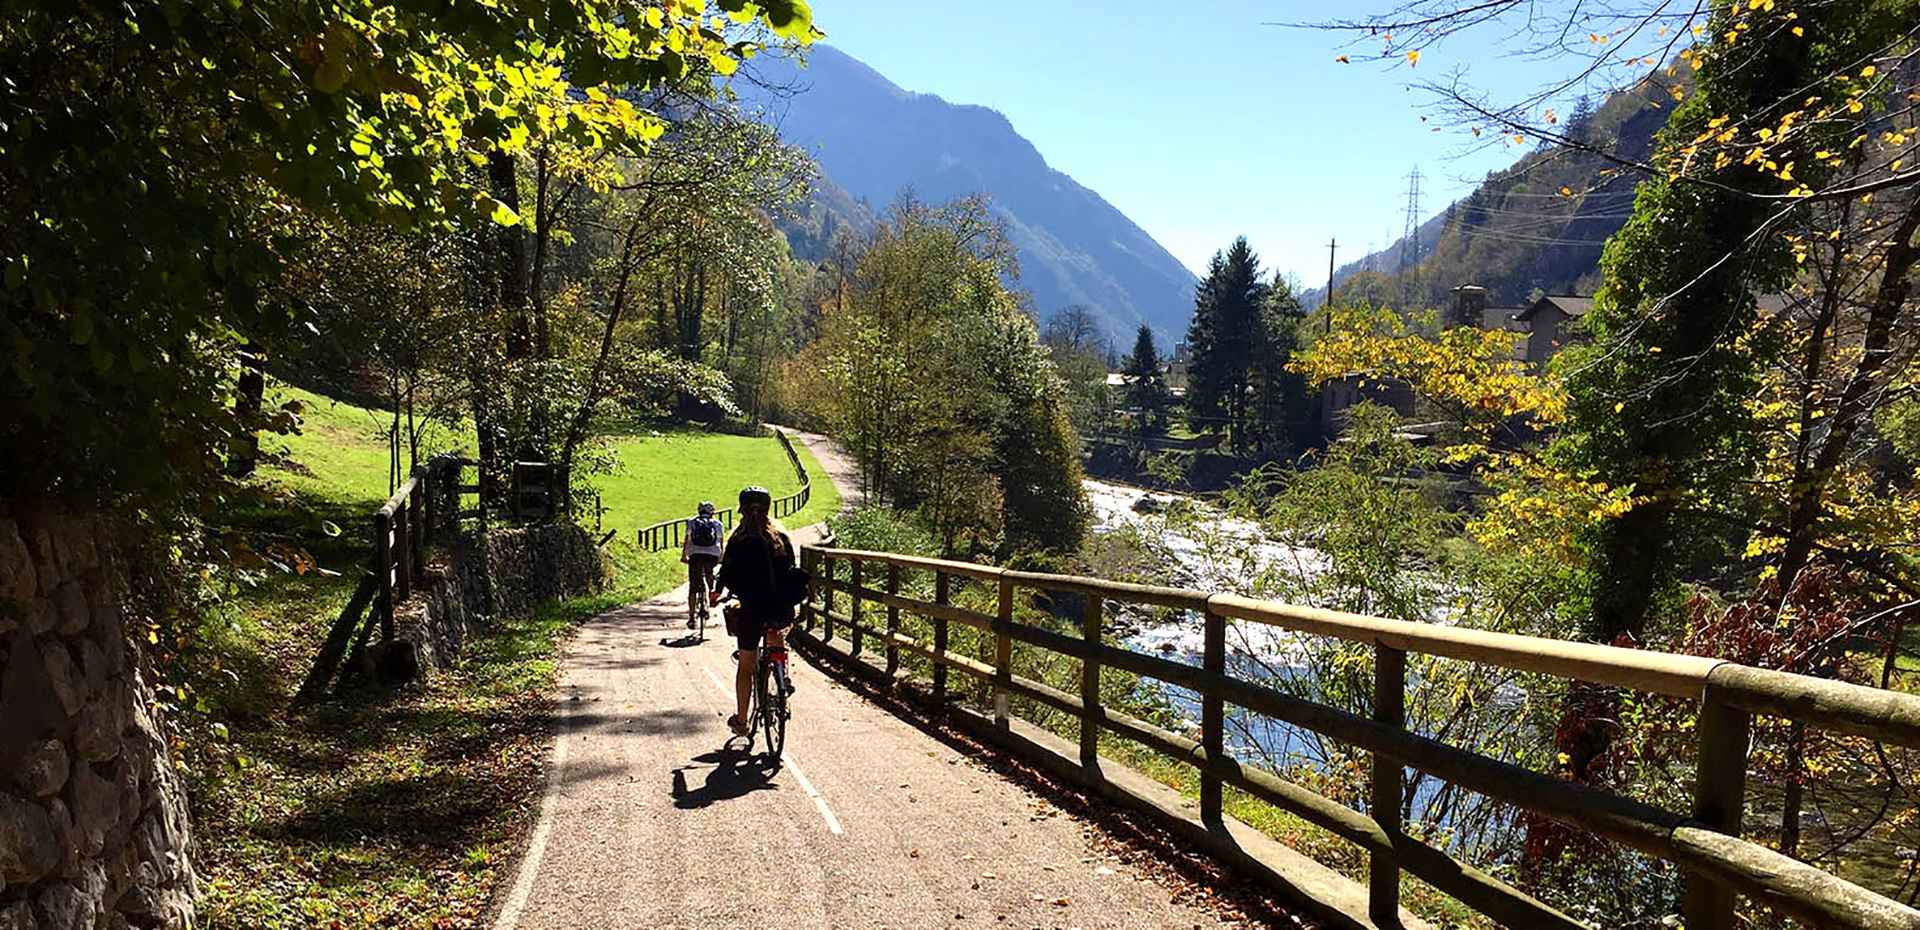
[(654, 818)]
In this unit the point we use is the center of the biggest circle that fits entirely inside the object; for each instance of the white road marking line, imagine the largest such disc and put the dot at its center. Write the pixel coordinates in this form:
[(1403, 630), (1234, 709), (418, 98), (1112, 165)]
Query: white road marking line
[(833, 823), (786, 758), (516, 903)]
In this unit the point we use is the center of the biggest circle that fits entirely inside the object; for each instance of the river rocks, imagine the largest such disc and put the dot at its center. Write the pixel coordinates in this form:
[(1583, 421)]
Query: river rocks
[(93, 821)]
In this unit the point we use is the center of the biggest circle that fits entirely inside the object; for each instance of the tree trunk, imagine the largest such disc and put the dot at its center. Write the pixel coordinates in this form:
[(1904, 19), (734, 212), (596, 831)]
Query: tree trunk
[(1794, 797), (504, 180), (1857, 400), (250, 397)]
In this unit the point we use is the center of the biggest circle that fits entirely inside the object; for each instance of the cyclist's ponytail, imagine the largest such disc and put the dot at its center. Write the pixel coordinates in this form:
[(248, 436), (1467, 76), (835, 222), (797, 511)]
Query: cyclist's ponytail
[(760, 522)]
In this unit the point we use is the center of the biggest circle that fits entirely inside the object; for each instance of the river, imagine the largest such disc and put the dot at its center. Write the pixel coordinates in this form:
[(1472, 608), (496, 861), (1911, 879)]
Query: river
[(1215, 553), (1218, 553)]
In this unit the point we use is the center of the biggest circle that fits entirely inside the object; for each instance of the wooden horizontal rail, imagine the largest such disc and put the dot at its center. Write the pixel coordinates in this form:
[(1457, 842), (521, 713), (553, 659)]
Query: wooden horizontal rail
[(1177, 598), (1640, 669), (928, 609), (949, 659), (967, 569), (1875, 713), (1707, 848), (400, 496)]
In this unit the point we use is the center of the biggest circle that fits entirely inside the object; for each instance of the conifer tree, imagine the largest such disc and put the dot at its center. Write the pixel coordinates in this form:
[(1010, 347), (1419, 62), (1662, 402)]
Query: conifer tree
[(1147, 390), (1223, 334)]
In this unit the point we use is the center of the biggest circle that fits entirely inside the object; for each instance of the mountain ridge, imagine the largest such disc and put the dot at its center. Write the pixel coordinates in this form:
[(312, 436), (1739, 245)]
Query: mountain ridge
[(873, 140)]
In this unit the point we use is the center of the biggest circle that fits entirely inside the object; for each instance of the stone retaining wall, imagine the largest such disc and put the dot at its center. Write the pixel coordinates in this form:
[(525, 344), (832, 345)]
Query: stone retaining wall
[(93, 818), (514, 571)]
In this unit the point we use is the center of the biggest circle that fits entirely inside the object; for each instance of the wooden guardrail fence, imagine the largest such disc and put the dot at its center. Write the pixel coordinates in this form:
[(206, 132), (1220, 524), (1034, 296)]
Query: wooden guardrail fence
[(1706, 843), (420, 510), (671, 534)]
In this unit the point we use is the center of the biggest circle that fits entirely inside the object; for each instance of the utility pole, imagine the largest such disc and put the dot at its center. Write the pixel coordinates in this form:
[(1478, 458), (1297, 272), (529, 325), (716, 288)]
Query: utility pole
[(1331, 245)]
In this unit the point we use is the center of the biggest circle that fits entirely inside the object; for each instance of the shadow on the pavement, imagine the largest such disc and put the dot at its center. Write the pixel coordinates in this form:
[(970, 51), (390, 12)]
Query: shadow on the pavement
[(735, 773), (684, 642), (613, 662), (672, 722)]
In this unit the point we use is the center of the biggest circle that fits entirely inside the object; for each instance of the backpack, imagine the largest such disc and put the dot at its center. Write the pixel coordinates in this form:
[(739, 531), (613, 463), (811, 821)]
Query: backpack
[(790, 586), (790, 583), (704, 532)]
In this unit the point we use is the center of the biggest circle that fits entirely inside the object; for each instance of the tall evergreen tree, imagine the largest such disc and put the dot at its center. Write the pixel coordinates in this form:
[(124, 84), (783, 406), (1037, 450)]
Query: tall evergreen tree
[(1147, 390), (1282, 422), (1205, 380), (1225, 329)]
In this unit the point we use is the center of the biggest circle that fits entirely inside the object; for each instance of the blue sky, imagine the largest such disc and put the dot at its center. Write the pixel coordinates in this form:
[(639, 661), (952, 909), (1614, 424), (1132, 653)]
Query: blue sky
[(1198, 120)]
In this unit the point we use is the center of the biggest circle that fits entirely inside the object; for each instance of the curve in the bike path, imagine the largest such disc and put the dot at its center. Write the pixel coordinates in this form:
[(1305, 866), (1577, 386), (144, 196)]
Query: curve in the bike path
[(651, 822)]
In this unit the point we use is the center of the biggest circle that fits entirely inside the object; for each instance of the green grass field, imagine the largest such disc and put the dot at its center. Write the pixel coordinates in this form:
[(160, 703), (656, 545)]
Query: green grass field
[(398, 809), (667, 475), (340, 452), (663, 476)]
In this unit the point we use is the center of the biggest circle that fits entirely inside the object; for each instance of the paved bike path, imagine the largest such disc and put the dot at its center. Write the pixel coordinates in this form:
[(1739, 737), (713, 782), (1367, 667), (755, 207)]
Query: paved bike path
[(649, 822)]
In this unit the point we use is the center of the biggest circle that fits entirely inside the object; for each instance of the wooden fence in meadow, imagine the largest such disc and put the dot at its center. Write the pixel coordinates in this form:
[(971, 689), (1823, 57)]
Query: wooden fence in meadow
[(671, 534), (423, 508)]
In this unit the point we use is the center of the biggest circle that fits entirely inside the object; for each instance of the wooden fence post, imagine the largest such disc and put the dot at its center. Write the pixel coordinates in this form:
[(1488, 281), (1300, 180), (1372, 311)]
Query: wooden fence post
[(1719, 801), (827, 563), (854, 611), (810, 563), (417, 528), (942, 596), (1390, 708), (402, 554), (1090, 710), (893, 621), (1213, 722), (427, 486), (383, 569), (1003, 655)]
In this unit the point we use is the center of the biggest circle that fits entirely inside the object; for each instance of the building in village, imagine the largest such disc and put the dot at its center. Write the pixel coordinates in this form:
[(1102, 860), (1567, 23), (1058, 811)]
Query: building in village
[(1546, 323)]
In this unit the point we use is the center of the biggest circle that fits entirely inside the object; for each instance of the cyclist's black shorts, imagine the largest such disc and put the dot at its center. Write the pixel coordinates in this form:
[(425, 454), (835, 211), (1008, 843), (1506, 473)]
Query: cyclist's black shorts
[(702, 563), (749, 629)]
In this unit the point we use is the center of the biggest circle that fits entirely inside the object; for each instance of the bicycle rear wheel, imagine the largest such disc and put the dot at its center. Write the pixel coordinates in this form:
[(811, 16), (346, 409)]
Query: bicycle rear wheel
[(770, 711), (697, 598)]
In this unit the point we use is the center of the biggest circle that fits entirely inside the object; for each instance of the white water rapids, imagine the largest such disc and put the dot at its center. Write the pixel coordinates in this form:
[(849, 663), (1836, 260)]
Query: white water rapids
[(1216, 555)]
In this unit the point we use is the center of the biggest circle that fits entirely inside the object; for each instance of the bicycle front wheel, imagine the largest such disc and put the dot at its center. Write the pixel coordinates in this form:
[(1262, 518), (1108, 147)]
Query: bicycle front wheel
[(771, 711)]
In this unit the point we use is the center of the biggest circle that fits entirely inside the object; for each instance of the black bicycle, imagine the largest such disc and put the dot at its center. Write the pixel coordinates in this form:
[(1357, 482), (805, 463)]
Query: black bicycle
[(697, 601), (767, 717)]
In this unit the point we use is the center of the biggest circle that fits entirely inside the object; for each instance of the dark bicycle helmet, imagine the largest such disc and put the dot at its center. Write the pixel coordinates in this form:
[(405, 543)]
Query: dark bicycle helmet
[(707, 509), (753, 495)]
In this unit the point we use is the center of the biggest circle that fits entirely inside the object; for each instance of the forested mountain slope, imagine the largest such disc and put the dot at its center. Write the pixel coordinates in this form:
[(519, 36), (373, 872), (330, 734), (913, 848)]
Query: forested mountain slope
[(874, 140), (1518, 232)]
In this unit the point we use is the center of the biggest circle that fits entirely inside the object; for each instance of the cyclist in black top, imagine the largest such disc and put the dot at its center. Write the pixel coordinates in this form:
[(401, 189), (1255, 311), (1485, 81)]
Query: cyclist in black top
[(755, 550)]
